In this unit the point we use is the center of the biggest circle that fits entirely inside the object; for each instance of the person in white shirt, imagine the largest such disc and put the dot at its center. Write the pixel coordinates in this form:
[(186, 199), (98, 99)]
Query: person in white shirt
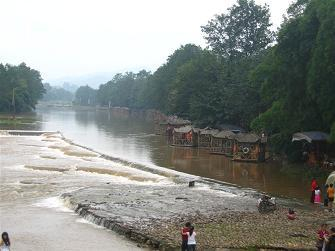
[(4, 242), (191, 239)]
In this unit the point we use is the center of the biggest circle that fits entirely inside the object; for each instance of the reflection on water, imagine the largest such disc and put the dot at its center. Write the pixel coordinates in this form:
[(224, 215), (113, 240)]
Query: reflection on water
[(261, 176), (132, 139)]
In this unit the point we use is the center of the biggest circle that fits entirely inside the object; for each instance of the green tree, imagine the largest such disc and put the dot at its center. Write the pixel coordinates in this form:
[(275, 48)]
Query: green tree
[(85, 95), (126, 90), (297, 78), (21, 88), (160, 84), (242, 32), (195, 93)]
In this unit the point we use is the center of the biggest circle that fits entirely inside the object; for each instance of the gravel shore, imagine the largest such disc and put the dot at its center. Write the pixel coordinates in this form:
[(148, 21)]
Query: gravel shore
[(153, 216)]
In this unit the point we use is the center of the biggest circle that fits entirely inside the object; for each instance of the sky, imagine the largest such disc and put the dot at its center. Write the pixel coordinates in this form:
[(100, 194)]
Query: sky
[(67, 38)]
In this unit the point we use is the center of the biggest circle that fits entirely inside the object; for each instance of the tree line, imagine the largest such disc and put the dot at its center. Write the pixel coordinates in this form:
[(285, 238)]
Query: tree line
[(20, 88), (275, 82), (57, 94)]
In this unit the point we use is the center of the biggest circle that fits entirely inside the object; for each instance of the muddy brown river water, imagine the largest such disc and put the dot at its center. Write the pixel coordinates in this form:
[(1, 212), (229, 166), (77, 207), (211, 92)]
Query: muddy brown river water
[(35, 171), (134, 140)]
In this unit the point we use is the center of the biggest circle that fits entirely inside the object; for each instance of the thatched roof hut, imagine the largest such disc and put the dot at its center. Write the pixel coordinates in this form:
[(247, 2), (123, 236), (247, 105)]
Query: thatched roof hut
[(166, 127), (185, 136), (205, 137), (249, 147), (222, 143)]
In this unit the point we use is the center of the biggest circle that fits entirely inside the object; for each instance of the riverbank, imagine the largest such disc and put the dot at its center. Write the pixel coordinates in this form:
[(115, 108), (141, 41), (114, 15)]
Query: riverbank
[(154, 217), (27, 121)]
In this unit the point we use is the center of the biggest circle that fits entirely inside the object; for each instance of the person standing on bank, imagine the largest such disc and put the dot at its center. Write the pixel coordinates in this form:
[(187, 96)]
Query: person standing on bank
[(330, 195), (191, 244), (184, 236), (317, 195), (4, 242), (314, 184)]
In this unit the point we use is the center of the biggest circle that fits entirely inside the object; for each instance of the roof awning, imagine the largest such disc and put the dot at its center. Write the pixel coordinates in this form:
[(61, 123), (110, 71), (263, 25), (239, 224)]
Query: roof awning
[(247, 138), (310, 136), (225, 135), (209, 131), (184, 129)]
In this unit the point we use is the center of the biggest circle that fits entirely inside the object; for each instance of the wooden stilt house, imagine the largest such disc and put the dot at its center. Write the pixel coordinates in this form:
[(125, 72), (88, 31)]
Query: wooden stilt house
[(222, 143), (249, 147), (185, 136), (205, 137)]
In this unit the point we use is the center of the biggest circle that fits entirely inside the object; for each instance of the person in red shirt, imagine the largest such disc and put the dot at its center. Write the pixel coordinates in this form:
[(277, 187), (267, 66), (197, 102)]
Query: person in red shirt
[(322, 235), (314, 185), (184, 236)]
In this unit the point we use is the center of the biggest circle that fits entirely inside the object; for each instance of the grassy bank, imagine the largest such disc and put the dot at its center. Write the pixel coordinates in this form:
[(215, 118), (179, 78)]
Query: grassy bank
[(24, 121)]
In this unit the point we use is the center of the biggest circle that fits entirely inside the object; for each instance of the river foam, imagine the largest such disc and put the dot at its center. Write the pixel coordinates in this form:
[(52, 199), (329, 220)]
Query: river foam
[(54, 203)]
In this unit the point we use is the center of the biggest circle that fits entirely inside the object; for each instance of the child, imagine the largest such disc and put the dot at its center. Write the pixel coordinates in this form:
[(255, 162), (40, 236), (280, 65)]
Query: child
[(317, 197), (314, 184), (291, 214), (184, 236), (322, 234), (4, 242), (191, 239)]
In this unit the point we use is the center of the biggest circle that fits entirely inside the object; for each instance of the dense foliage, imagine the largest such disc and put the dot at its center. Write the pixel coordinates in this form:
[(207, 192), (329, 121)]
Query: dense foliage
[(297, 78), (20, 88), (244, 78)]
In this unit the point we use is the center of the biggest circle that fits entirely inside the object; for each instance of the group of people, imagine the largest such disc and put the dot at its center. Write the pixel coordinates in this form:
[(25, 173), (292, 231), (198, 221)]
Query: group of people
[(188, 237), (328, 195), (326, 238), (4, 242)]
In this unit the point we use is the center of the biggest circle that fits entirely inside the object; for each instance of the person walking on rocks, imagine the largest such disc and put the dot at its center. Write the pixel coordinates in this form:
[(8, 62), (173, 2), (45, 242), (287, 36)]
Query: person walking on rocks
[(4, 242), (330, 195), (184, 236), (191, 244)]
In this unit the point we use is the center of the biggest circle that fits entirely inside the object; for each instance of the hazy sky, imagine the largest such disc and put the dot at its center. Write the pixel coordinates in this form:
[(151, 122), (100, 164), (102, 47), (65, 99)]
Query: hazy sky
[(78, 37)]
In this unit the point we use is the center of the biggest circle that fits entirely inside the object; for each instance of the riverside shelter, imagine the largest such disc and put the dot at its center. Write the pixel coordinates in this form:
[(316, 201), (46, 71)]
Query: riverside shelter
[(222, 143), (249, 147), (186, 136), (205, 137), (314, 145)]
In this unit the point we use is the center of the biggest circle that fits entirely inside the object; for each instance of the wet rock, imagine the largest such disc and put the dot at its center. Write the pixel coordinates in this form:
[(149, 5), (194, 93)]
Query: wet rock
[(299, 235), (222, 222), (182, 198)]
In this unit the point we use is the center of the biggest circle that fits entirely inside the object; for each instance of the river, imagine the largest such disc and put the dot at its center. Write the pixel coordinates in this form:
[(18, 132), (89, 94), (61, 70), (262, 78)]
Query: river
[(134, 140)]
